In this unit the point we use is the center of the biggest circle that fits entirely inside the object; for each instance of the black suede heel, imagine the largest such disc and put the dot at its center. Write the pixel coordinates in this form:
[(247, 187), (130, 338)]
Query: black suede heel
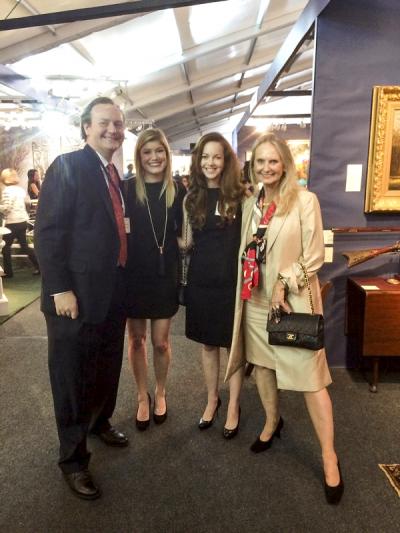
[(333, 495), (259, 445)]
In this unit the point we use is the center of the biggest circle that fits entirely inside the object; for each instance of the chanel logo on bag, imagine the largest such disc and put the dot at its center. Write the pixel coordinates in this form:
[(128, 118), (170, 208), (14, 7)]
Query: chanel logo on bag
[(291, 336)]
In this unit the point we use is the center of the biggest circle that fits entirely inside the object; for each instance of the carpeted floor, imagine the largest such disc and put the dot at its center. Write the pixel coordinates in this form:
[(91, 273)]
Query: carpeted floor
[(21, 290), (176, 479)]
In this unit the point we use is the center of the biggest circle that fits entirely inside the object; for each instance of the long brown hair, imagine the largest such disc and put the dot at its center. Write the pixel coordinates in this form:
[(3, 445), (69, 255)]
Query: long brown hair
[(231, 190), (288, 186), (149, 135)]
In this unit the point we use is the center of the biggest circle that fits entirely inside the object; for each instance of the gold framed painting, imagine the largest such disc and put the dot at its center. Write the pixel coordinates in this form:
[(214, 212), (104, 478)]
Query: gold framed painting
[(383, 175)]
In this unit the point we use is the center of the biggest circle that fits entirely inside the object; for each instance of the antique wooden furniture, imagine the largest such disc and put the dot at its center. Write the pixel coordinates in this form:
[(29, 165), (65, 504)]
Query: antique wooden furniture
[(372, 320)]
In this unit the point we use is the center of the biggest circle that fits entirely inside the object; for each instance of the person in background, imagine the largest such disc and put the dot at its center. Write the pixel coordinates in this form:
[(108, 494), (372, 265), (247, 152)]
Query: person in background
[(13, 204), (154, 204), (185, 181), (282, 230), (129, 173), (33, 184), (80, 238), (213, 209)]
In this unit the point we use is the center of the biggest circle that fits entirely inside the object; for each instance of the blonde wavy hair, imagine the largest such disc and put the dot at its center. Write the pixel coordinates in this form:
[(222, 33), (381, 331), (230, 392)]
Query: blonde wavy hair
[(288, 185), (149, 135), (9, 176)]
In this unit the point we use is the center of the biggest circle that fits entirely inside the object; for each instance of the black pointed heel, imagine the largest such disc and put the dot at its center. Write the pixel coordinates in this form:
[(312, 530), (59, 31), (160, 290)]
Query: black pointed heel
[(205, 424), (333, 495), (143, 424), (259, 445), (230, 433)]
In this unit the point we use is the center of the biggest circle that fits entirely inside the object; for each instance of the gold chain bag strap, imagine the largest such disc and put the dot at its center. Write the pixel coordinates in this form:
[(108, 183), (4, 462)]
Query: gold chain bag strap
[(184, 263), (300, 330)]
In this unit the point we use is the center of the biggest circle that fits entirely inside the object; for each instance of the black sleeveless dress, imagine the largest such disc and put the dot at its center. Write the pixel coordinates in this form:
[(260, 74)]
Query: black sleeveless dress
[(151, 295), (212, 278)]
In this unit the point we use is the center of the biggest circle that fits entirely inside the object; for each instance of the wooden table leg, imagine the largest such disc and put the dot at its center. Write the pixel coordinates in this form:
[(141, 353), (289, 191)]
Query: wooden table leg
[(375, 375)]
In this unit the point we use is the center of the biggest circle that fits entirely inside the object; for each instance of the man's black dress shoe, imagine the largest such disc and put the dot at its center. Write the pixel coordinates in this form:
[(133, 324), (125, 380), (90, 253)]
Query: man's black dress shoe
[(143, 424), (160, 419), (113, 437), (230, 433), (259, 445), (82, 485), (333, 495)]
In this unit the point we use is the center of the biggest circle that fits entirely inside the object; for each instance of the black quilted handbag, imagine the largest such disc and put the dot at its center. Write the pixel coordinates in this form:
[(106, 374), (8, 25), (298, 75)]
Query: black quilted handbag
[(301, 330)]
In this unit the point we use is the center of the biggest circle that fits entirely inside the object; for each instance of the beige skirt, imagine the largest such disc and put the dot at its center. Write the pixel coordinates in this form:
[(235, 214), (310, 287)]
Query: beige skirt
[(296, 368)]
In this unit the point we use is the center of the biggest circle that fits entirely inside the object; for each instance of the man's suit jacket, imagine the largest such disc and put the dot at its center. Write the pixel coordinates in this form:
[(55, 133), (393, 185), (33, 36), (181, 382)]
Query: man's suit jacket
[(76, 237)]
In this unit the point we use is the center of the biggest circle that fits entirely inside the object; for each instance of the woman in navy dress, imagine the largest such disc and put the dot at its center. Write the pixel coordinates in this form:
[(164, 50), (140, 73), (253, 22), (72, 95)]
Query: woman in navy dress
[(213, 209), (154, 204)]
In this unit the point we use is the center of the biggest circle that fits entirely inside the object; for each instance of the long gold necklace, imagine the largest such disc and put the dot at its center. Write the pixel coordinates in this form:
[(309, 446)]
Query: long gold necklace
[(161, 259)]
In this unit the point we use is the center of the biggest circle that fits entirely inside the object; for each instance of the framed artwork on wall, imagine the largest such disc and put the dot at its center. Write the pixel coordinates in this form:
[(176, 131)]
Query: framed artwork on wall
[(383, 175)]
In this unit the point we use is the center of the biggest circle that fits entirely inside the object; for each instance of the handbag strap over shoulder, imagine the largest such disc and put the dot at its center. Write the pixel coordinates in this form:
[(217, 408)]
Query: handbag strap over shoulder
[(303, 268), (184, 254)]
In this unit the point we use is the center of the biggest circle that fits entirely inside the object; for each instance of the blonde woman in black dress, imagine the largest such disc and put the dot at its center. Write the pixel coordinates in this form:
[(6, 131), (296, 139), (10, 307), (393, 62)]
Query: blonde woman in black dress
[(154, 204), (213, 208)]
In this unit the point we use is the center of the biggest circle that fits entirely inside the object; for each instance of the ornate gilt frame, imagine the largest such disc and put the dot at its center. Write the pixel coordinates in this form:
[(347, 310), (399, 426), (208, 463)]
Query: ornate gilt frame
[(383, 190)]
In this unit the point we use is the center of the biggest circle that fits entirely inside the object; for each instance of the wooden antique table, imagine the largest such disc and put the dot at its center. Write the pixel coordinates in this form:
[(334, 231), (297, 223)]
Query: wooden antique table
[(372, 320)]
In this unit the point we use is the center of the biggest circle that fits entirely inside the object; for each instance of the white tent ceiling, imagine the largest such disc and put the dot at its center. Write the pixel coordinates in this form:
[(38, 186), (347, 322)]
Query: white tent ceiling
[(186, 70)]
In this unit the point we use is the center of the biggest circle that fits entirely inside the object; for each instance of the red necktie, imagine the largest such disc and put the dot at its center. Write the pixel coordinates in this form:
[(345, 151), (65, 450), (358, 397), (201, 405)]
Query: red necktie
[(118, 212)]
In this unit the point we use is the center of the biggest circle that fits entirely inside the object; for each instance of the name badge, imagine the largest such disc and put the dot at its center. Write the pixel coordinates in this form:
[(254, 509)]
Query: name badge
[(127, 224)]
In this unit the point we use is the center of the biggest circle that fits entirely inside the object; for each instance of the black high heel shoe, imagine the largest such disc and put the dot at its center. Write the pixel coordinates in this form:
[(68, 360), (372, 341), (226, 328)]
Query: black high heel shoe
[(205, 424), (230, 433), (160, 419), (143, 424), (333, 495), (261, 445)]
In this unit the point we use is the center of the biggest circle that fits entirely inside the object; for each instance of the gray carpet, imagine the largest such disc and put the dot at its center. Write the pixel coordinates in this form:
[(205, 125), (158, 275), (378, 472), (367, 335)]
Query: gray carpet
[(174, 478)]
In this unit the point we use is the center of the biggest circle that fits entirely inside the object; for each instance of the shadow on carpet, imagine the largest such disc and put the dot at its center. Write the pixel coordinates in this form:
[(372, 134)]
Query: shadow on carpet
[(20, 290)]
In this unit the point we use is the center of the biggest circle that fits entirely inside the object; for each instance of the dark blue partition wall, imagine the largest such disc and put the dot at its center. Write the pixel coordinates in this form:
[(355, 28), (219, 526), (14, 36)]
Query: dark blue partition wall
[(357, 47)]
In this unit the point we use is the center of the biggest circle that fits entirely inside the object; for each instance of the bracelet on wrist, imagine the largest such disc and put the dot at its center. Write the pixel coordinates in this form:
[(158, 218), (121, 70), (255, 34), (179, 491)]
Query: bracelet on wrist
[(285, 284)]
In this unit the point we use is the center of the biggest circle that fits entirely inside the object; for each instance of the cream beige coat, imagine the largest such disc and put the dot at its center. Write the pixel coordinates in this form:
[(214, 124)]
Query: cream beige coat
[(293, 237)]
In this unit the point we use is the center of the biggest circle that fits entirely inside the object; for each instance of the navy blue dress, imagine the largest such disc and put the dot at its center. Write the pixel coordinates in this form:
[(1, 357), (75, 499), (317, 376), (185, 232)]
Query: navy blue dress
[(212, 278)]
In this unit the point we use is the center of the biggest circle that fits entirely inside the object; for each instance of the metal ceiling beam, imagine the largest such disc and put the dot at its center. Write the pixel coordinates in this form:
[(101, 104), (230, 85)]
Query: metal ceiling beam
[(90, 13), (33, 11), (10, 78), (292, 115), (182, 24), (251, 49), (176, 123), (188, 132), (273, 93), (215, 117), (217, 75), (217, 95), (290, 47), (65, 33)]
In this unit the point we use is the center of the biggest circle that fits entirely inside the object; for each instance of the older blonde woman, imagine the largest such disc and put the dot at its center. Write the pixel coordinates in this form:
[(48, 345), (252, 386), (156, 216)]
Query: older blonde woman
[(154, 205), (13, 207), (281, 228)]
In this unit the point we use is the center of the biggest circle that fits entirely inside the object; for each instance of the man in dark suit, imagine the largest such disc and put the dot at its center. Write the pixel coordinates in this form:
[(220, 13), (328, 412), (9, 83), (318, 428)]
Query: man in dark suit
[(80, 240)]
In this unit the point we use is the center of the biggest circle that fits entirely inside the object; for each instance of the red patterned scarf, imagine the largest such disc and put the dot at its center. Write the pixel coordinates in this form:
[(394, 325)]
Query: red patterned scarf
[(254, 252)]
